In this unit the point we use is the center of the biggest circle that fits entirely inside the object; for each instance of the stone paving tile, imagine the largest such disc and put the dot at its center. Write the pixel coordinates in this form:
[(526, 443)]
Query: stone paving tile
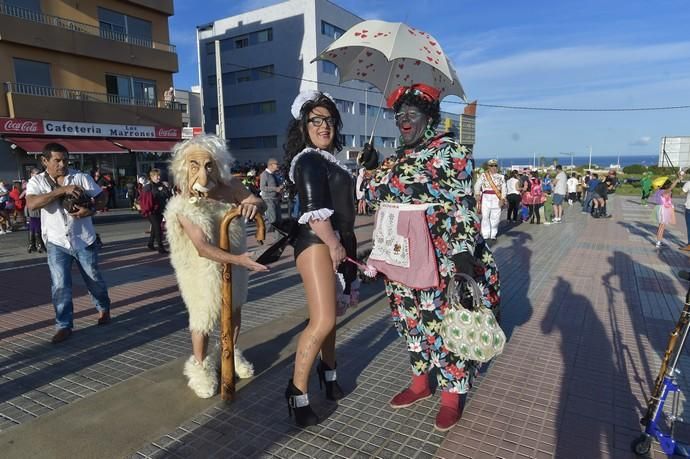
[(149, 320)]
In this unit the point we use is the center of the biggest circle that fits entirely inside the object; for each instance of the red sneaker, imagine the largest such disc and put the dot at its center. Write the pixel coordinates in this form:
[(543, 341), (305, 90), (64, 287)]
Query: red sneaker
[(446, 418), (408, 398)]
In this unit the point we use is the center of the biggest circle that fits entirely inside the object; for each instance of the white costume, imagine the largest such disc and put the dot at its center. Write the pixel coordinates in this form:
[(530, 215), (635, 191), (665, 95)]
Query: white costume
[(491, 203), (200, 280)]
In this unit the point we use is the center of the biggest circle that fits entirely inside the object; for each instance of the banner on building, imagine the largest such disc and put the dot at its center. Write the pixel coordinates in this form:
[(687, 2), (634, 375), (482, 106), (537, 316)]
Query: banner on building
[(83, 129)]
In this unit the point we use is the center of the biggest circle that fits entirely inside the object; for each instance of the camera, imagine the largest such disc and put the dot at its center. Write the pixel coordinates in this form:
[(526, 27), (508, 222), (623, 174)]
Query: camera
[(72, 203)]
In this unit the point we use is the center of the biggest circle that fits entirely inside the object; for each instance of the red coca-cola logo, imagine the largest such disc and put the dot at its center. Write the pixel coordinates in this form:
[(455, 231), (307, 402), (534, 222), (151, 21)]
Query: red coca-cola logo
[(21, 126), (172, 133)]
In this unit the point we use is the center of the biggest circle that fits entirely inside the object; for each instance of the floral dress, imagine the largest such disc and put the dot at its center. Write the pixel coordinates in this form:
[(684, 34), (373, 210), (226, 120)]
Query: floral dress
[(439, 171)]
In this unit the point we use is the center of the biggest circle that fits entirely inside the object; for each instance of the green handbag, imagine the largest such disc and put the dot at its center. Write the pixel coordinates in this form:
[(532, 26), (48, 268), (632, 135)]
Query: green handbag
[(470, 334)]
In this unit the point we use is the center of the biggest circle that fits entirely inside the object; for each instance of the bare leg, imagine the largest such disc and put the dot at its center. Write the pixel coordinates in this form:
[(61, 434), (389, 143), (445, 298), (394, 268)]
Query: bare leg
[(316, 269), (199, 345), (660, 232)]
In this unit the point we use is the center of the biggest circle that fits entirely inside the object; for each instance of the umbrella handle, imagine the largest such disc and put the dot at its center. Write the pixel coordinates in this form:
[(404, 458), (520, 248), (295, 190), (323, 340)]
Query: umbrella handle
[(378, 113)]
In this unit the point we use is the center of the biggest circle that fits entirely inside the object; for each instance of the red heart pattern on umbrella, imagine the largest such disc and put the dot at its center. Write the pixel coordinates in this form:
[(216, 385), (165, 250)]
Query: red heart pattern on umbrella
[(377, 51)]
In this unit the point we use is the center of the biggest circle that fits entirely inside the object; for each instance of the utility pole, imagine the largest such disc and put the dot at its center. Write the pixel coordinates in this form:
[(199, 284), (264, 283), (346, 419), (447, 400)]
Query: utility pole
[(590, 157), (219, 89)]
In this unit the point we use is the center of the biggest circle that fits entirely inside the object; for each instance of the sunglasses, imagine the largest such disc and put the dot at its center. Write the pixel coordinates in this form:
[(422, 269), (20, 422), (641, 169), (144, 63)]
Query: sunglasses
[(317, 121), (410, 115)]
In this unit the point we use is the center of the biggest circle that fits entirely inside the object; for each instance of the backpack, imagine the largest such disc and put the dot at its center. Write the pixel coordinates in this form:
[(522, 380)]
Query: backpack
[(546, 185), (146, 204)]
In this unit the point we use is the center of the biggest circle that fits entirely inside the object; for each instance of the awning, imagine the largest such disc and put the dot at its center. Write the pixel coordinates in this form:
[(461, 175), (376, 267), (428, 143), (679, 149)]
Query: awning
[(159, 146), (34, 145)]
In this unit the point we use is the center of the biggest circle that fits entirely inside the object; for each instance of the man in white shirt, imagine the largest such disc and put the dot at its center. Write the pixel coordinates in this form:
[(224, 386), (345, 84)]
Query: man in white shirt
[(490, 190), (559, 190), (572, 188), (68, 233)]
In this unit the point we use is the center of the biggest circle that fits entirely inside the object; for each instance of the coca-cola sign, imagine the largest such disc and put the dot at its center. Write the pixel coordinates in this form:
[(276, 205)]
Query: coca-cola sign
[(168, 132), (20, 126), (86, 129)]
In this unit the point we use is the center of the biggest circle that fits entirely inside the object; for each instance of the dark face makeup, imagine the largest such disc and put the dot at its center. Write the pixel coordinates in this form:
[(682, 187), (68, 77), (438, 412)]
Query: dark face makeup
[(411, 122)]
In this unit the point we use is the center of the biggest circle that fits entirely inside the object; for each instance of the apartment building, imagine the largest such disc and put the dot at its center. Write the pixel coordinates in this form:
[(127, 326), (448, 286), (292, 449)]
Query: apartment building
[(265, 61), (91, 75)]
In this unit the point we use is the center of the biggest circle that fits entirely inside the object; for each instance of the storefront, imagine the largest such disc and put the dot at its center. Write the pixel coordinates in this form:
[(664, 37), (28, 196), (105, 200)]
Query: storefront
[(124, 151)]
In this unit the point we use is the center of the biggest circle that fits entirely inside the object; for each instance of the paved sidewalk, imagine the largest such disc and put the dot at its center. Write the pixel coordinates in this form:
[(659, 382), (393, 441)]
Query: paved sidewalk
[(587, 304)]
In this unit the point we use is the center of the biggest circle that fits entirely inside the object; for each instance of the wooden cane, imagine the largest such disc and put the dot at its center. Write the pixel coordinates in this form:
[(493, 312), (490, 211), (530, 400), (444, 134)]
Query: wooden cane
[(227, 338)]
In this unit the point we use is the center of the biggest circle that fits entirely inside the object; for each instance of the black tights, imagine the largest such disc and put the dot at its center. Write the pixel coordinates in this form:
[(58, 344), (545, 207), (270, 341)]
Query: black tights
[(534, 211), (156, 221)]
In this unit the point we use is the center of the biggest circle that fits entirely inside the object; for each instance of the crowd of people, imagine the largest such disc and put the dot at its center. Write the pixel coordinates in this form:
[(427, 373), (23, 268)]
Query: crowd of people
[(430, 187), (539, 197)]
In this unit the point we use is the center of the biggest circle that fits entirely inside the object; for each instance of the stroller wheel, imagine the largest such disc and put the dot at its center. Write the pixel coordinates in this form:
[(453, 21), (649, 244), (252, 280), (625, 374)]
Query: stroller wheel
[(642, 444)]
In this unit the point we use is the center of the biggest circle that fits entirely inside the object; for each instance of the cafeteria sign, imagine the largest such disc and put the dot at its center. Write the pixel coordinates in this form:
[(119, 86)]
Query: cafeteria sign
[(81, 129)]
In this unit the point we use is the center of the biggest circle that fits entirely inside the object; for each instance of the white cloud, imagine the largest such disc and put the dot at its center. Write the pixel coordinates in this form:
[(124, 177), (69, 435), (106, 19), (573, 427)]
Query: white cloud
[(577, 57), (642, 141)]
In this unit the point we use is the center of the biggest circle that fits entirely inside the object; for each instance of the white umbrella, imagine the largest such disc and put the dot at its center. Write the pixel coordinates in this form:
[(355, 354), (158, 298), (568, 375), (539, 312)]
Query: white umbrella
[(392, 54)]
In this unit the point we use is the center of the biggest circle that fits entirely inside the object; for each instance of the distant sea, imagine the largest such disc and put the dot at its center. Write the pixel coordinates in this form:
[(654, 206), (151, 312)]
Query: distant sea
[(603, 161)]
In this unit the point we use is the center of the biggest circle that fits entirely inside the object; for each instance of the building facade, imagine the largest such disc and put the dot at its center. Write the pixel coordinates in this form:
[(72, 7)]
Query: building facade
[(266, 60), (91, 75)]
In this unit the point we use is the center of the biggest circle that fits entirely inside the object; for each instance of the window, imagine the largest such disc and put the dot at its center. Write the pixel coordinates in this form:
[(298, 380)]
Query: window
[(262, 36), (183, 108), (330, 30), (329, 68), (243, 41), (253, 109), (33, 5), (130, 90), (32, 73), (388, 142), (245, 75), (211, 80), (345, 106), (211, 47), (253, 143), (347, 140), (118, 26)]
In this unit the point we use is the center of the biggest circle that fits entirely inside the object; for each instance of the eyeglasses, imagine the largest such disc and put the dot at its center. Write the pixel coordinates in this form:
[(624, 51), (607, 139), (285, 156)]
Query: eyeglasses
[(317, 121), (410, 115)]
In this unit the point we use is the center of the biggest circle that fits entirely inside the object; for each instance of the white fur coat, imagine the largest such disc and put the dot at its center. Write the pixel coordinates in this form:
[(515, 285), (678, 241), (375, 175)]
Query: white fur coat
[(200, 279)]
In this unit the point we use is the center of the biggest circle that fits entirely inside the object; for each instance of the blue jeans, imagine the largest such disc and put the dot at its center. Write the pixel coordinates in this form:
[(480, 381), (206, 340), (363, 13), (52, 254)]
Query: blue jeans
[(687, 223), (60, 264), (587, 201)]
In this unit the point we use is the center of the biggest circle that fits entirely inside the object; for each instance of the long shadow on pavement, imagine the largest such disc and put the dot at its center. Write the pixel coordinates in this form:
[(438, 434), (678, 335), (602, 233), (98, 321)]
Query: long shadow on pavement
[(43, 364), (514, 263), (85, 313), (590, 379)]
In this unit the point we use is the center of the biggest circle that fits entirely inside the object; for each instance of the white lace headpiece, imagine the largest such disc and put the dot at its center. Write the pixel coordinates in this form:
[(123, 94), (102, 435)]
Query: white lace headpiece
[(303, 97)]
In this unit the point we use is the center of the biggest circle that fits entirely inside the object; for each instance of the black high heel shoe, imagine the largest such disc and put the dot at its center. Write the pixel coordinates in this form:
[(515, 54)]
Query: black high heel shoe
[(299, 403), (327, 377)]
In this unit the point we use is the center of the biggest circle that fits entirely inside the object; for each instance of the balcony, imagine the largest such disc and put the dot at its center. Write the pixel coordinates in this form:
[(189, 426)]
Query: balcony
[(42, 102), (33, 28)]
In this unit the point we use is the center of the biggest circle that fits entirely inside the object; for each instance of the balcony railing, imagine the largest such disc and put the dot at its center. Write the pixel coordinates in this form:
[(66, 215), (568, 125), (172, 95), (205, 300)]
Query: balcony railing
[(87, 96), (37, 16)]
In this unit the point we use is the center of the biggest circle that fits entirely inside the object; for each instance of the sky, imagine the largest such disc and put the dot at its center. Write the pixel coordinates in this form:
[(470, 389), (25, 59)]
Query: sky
[(584, 54)]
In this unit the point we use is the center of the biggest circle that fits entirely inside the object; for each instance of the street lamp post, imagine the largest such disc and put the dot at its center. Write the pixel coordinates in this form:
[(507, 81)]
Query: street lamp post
[(590, 157)]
